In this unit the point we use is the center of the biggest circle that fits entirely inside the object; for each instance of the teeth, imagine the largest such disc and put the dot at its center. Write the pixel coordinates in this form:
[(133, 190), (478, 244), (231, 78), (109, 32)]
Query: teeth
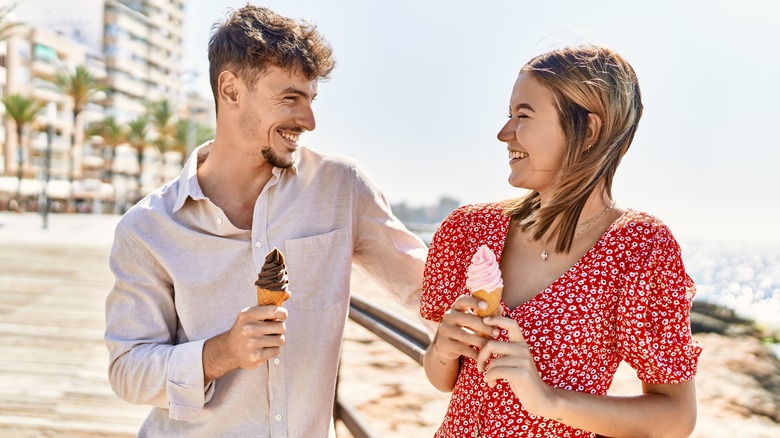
[(517, 154), (289, 136)]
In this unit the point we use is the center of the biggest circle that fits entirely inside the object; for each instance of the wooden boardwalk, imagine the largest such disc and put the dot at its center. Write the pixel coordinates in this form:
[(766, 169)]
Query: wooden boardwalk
[(53, 363)]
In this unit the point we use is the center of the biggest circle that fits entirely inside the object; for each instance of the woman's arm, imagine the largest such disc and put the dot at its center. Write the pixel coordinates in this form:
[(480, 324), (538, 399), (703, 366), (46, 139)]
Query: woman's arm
[(660, 411), (663, 410), (440, 369)]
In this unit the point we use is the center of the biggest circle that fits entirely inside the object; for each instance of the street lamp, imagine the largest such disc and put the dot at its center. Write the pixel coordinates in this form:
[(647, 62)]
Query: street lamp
[(51, 116)]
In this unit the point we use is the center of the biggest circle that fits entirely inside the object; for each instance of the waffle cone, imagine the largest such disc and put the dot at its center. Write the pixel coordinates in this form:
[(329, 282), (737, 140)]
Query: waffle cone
[(493, 300), (267, 297)]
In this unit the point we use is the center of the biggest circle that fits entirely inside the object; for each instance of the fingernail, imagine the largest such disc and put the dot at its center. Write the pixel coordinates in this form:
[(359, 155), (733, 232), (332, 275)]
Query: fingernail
[(482, 305), (496, 332)]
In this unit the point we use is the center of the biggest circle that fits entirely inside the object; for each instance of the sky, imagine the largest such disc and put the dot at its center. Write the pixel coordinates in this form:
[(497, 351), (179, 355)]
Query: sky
[(421, 89)]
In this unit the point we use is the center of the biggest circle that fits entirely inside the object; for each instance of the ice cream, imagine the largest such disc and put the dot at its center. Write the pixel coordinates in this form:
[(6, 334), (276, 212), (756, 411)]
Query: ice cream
[(483, 278), (272, 280)]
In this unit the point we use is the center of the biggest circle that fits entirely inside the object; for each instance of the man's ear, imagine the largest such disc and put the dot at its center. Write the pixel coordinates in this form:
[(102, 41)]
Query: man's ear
[(227, 88)]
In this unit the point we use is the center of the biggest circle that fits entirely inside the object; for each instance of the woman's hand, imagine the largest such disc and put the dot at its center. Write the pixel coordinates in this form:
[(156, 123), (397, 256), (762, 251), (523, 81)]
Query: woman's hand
[(513, 363), (461, 329)]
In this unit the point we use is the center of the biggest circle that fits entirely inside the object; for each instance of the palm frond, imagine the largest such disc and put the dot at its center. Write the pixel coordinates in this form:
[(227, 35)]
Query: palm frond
[(138, 131), (21, 109), (80, 86), (7, 28)]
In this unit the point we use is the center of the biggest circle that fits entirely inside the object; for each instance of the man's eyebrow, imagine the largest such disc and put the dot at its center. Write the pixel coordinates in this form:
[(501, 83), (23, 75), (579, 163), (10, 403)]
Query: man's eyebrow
[(299, 92)]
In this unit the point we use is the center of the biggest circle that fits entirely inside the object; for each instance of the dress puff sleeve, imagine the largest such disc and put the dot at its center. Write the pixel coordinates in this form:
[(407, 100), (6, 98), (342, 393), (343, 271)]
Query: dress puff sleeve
[(450, 252), (444, 278), (653, 323)]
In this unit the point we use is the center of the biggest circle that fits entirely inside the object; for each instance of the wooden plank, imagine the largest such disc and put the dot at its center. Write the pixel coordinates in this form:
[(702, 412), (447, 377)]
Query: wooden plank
[(53, 363)]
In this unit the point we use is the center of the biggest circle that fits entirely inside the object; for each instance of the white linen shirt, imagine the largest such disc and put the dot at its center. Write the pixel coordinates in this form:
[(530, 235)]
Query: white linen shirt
[(183, 272)]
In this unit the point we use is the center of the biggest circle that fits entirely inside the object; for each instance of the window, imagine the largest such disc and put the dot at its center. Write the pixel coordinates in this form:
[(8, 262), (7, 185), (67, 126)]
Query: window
[(24, 50), (44, 53), (112, 30), (135, 5), (22, 75)]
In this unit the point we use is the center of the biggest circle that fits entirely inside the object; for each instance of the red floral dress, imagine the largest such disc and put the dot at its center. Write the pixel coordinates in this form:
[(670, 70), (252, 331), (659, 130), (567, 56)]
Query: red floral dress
[(628, 298)]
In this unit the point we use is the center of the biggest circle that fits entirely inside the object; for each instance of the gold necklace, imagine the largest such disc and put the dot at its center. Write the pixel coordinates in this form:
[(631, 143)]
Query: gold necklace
[(580, 228)]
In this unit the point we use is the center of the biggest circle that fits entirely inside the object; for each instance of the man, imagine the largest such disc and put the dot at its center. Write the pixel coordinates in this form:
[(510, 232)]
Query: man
[(186, 257)]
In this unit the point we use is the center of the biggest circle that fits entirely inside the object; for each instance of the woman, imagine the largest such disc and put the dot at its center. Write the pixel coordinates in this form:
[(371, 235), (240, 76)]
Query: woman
[(586, 284)]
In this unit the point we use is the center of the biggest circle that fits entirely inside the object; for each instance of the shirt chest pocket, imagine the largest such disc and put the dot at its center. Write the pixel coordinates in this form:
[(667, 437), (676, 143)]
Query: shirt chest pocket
[(319, 268)]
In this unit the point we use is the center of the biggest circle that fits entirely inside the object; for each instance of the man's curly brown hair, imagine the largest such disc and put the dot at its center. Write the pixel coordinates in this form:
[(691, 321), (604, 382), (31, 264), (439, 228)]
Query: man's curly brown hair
[(252, 38)]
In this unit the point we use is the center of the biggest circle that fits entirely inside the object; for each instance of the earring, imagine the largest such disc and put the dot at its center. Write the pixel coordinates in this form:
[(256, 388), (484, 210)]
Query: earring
[(588, 148)]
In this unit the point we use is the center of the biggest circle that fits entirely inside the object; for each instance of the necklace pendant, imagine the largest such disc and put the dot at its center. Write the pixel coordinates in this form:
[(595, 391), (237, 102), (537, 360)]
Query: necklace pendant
[(476, 432), (544, 255)]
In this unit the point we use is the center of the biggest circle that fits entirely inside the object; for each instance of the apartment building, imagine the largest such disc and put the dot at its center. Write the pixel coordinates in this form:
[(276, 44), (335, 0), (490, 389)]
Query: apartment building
[(29, 62), (142, 41), (135, 47)]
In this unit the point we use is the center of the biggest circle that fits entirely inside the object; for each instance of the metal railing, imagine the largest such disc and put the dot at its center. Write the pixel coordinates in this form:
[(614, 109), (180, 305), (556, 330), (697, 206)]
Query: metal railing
[(408, 337)]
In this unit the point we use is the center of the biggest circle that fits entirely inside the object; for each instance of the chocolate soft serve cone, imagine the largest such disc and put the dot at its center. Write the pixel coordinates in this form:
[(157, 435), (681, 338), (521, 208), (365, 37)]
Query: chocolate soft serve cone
[(483, 278), (272, 280)]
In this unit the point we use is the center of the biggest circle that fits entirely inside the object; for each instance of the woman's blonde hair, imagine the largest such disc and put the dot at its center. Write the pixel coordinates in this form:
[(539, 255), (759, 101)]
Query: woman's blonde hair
[(584, 80)]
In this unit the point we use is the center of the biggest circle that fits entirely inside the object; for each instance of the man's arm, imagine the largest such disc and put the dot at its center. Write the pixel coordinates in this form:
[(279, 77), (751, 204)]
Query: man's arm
[(141, 326), (384, 248)]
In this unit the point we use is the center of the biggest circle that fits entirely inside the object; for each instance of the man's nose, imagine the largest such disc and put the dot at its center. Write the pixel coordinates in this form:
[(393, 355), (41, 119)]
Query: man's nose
[(306, 118)]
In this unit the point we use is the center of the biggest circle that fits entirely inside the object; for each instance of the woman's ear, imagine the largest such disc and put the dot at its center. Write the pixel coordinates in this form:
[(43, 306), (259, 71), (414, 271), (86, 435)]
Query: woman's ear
[(593, 131), (227, 88)]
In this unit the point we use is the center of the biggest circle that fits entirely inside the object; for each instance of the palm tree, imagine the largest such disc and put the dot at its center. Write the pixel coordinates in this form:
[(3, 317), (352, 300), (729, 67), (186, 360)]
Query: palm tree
[(113, 135), (189, 133), (7, 29), (162, 114), (137, 136), (23, 110), (80, 86)]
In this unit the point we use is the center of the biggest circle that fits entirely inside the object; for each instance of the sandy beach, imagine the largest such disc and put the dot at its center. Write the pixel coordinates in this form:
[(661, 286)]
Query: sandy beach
[(53, 363)]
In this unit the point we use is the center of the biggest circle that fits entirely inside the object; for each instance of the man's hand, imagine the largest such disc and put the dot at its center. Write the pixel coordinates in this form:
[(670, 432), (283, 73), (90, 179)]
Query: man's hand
[(256, 336)]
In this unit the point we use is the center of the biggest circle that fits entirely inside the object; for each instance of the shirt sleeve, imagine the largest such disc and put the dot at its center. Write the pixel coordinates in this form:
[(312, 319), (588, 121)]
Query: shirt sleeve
[(384, 248), (653, 324), (145, 365), (444, 279)]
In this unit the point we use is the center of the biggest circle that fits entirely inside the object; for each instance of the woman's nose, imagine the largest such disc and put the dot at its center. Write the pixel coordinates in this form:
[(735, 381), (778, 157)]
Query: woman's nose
[(507, 132)]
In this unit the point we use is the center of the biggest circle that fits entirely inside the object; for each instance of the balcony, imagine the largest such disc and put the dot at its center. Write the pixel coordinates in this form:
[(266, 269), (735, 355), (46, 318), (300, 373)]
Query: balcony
[(46, 90), (41, 68), (129, 86)]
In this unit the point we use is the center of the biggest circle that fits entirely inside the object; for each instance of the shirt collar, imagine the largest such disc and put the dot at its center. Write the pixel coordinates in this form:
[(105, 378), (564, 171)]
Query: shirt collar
[(188, 178)]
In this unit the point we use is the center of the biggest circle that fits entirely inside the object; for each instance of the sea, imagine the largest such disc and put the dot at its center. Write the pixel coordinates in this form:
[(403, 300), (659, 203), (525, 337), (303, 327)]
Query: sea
[(745, 278), (742, 277)]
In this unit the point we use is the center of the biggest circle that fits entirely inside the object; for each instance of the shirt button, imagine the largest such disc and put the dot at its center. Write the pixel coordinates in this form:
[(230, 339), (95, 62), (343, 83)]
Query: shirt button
[(277, 361), (278, 417), (259, 244), (219, 221)]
